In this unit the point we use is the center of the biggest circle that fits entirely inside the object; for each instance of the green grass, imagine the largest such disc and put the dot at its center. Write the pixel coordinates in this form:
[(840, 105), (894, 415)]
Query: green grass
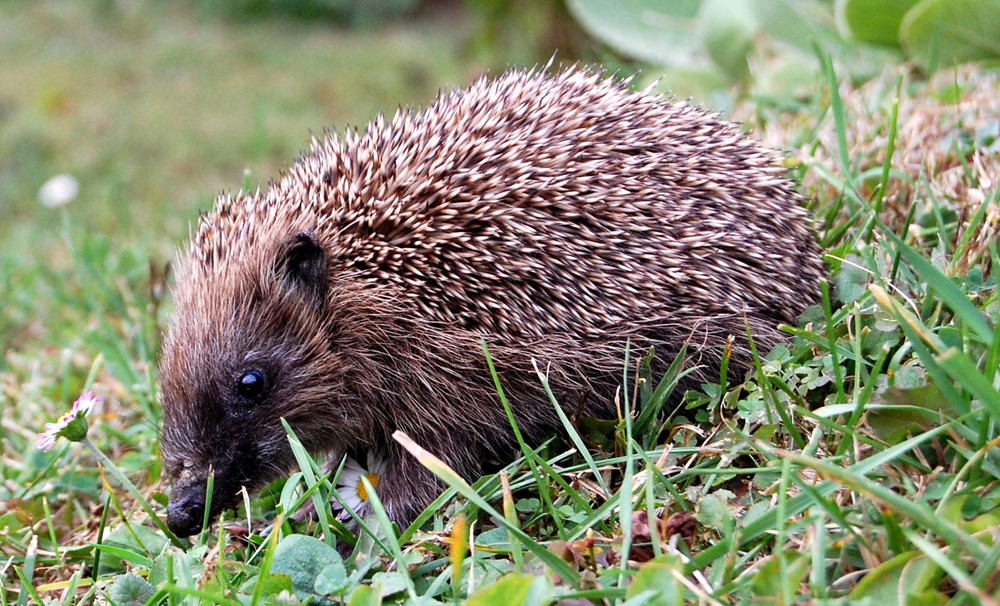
[(858, 463), (154, 109)]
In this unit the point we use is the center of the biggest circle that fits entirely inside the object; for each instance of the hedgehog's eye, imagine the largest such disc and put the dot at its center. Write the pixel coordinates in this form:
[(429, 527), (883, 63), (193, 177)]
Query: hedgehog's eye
[(251, 385)]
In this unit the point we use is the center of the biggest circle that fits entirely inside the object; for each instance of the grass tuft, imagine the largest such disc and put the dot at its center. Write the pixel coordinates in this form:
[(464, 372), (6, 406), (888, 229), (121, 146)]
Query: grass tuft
[(859, 461)]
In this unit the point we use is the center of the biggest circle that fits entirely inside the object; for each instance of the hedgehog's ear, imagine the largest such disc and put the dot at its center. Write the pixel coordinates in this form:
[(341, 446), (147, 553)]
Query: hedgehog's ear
[(303, 264)]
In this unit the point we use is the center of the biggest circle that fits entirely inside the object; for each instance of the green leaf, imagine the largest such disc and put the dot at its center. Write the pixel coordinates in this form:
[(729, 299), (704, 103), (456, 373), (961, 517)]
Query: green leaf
[(136, 538), (662, 575), (126, 554), (882, 584), (944, 32), (496, 538), (514, 589), (875, 21), (713, 509), (389, 583), (908, 409), (800, 23), (332, 580), (271, 586), (729, 29), (852, 280), (968, 512), (780, 575), (130, 590), (365, 595), (303, 559), (650, 30)]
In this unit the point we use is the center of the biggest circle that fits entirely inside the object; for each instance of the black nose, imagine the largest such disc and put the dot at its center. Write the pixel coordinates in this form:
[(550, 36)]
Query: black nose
[(185, 514)]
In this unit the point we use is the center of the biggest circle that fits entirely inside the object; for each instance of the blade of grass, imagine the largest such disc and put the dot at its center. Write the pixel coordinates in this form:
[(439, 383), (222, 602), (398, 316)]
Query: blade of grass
[(529, 454), (838, 378), (941, 230), (764, 381), (966, 374), (510, 514), (823, 341), (460, 541), (207, 518), (221, 568), (886, 497), (320, 498), (27, 589), (975, 221), (96, 566), (799, 503), (27, 572), (315, 484), (625, 492), (890, 149), (571, 432), (839, 122), (391, 540), (651, 410), (952, 296), (74, 582), (958, 575), (449, 477), (970, 466), (204, 596), (429, 512), (265, 565), (992, 364), (779, 538), (987, 566), (574, 495), (862, 398), (50, 526), (831, 508), (650, 503), (126, 554)]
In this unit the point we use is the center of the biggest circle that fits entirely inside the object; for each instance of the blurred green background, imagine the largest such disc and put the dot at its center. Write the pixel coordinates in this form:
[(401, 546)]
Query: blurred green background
[(154, 107)]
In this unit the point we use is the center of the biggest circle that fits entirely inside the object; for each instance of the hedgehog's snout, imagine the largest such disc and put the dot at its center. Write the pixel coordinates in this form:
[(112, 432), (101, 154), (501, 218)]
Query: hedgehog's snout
[(186, 511)]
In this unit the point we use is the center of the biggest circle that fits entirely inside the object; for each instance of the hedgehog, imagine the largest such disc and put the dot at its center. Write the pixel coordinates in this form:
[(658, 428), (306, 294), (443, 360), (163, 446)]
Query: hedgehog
[(559, 217)]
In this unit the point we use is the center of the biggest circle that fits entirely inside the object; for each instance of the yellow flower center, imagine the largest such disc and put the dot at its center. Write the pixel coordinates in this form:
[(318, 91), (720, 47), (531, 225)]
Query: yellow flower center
[(373, 480)]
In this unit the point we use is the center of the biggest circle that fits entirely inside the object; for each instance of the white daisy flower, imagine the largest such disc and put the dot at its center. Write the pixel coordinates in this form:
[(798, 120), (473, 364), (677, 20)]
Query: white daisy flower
[(72, 425), (352, 490), (59, 190)]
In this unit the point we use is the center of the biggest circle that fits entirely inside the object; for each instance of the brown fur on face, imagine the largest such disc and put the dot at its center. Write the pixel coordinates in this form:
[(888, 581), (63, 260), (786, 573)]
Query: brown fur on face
[(555, 216)]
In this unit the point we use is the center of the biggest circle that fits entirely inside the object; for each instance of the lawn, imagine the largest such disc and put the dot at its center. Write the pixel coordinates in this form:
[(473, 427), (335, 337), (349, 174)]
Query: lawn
[(858, 464)]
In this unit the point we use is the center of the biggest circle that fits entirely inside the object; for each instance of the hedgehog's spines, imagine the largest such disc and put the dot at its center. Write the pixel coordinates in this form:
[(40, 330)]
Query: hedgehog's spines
[(555, 215)]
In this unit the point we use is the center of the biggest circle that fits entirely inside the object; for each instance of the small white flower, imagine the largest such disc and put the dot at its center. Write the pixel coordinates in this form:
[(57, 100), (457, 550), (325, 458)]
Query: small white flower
[(72, 425), (349, 484), (59, 190)]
